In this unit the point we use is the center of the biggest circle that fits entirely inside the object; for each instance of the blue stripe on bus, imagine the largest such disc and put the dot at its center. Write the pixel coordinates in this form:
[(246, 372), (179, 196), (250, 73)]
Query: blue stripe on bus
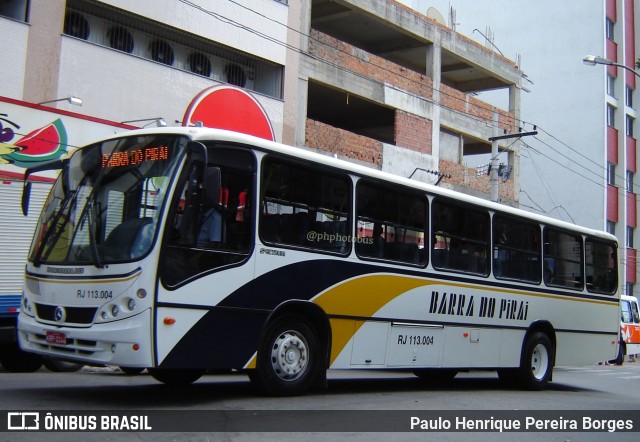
[(233, 326)]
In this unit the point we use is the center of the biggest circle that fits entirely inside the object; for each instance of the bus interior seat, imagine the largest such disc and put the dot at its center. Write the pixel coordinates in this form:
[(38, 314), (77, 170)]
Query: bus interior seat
[(126, 237)]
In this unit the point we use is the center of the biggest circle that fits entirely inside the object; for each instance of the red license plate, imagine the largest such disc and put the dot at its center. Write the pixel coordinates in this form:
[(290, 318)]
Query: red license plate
[(54, 337)]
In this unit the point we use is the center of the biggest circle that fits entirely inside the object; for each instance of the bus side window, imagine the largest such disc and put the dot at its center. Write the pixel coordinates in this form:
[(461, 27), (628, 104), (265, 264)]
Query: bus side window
[(635, 313), (465, 232), (625, 311), (212, 220), (391, 223), (215, 199)]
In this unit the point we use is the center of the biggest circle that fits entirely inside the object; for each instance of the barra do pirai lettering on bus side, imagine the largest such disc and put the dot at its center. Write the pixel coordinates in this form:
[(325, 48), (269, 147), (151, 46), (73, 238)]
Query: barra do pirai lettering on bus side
[(460, 304)]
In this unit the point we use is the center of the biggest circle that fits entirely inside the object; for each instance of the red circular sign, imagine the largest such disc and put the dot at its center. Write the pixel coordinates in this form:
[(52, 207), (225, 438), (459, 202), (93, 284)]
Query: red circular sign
[(230, 108)]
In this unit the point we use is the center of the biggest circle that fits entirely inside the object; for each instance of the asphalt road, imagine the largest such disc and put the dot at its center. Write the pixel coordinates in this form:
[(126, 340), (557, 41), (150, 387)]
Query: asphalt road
[(226, 406)]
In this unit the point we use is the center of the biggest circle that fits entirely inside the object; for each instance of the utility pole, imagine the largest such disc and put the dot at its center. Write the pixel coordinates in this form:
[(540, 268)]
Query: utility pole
[(495, 196), (493, 166)]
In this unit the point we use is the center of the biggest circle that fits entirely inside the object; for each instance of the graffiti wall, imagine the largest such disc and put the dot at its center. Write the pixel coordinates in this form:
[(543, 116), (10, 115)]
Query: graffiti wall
[(31, 134)]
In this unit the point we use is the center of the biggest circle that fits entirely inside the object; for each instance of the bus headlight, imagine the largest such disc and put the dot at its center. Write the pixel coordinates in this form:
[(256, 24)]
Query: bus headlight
[(120, 308), (27, 307)]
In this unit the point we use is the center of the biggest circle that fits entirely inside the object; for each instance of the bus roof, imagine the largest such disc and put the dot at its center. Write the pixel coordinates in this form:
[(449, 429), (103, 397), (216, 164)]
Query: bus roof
[(205, 134)]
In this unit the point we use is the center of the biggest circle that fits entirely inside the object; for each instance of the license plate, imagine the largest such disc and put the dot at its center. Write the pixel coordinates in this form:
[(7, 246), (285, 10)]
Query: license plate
[(54, 337)]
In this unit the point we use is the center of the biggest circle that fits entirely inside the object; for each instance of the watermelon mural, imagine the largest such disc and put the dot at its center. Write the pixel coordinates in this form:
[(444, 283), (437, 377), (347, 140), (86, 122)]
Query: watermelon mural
[(43, 144)]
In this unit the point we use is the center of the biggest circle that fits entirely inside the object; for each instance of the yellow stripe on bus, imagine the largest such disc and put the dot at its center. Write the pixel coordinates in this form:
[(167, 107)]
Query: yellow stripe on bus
[(358, 297), (361, 297)]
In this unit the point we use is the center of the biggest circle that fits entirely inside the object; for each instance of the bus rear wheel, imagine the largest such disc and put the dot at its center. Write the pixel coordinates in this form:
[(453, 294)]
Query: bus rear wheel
[(288, 358), (537, 362)]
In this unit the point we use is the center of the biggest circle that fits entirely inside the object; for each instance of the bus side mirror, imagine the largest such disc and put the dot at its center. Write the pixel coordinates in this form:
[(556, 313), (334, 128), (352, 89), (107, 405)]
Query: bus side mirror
[(197, 153), (26, 196), (26, 190), (211, 186), (197, 159)]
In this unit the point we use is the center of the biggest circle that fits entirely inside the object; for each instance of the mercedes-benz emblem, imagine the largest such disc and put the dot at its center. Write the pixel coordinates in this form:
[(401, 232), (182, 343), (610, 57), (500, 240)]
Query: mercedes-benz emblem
[(60, 314)]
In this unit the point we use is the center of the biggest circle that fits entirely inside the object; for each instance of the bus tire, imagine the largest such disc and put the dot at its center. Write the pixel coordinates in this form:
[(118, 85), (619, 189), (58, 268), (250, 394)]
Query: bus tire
[(622, 352), (288, 358), (176, 376), (15, 360), (60, 366), (536, 365), (131, 371)]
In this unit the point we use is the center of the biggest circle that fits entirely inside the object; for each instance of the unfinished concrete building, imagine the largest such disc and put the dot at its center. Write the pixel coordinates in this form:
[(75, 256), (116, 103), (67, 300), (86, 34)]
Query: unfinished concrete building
[(394, 88)]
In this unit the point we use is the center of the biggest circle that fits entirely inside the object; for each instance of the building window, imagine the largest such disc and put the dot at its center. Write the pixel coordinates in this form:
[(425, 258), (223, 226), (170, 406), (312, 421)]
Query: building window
[(629, 97), (16, 9), (611, 85), (611, 227), (630, 176), (611, 174), (611, 115), (629, 120), (610, 26), (630, 231)]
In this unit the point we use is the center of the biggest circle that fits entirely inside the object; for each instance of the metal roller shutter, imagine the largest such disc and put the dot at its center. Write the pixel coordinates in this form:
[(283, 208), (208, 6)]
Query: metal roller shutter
[(16, 232)]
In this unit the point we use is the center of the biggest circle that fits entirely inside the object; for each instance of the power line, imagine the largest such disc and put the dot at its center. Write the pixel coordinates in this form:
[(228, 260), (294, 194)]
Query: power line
[(232, 22), (481, 105)]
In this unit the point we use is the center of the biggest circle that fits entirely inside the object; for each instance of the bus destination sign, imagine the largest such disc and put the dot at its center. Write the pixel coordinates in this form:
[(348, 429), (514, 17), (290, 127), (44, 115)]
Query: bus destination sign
[(135, 156)]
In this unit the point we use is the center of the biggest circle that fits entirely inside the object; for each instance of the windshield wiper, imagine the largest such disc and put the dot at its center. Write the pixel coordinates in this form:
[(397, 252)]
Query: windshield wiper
[(53, 233), (93, 244)]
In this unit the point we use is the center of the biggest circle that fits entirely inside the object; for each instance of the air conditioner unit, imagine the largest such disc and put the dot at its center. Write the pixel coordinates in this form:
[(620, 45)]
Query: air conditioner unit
[(199, 64), (161, 51), (239, 75), (120, 38), (76, 25)]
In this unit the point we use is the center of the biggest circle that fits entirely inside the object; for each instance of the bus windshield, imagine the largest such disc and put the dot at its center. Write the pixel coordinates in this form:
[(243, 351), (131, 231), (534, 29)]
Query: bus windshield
[(105, 204)]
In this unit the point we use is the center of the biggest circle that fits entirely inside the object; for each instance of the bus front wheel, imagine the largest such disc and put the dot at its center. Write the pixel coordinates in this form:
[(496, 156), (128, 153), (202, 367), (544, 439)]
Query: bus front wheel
[(288, 358), (537, 362), (13, 359)]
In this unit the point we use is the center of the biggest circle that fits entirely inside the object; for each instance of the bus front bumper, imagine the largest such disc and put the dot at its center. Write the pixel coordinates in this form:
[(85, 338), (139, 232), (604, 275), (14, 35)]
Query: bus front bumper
[(124, 343)]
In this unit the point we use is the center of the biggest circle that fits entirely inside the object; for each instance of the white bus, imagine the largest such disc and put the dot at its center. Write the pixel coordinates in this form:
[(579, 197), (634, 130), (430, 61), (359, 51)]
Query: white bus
[(629, 328), (183, 250)]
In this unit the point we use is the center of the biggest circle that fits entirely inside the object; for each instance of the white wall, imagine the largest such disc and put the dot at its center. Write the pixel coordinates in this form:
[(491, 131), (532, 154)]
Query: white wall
[(13, 47), (238, 24), (120, 87)]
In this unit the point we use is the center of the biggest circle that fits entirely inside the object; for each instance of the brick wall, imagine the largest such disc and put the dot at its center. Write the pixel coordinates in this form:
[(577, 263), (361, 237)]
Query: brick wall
[(356, 60), (344, 143), (465, 177), (413, 132), (453, 99)]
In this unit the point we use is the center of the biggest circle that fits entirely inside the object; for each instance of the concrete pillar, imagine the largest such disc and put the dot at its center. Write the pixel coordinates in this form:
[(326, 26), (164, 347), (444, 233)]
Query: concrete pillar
[(434, 70), (43, 50)]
